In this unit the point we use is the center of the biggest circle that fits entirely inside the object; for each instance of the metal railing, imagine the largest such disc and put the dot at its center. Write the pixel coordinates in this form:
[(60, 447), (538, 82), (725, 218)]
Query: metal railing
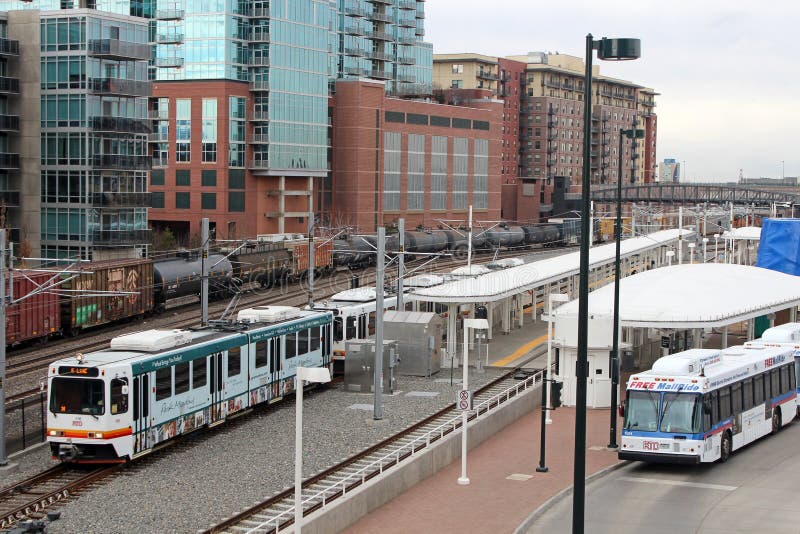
[(409, 450), (9, 47), (9, 122), (118, 49), (120, 237), (29, 413), (9, 85), (119, 86), (121, 199)]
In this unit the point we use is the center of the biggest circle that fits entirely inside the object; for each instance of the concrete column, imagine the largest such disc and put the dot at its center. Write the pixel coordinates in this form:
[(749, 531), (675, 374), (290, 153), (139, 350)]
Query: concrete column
[(751, 329), (698, 338), (450, 355), (793, 314), (724, 341), (506, 316), (521, 312), (490, 319)]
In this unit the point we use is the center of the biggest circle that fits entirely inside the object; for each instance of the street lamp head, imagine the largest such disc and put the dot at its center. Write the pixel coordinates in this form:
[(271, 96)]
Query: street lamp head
[(619, 49), (319, 375)]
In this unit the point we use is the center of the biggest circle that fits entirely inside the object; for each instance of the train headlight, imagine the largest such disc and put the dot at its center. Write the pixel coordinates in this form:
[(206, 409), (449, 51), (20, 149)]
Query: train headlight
[(96, 435), (56, 433)]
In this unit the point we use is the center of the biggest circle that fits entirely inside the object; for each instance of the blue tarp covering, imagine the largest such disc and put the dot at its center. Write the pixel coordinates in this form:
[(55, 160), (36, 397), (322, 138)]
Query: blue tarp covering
[(779, 248)]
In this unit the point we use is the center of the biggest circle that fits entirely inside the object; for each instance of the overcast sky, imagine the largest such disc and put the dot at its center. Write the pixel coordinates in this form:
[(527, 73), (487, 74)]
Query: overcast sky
[(727, 71)]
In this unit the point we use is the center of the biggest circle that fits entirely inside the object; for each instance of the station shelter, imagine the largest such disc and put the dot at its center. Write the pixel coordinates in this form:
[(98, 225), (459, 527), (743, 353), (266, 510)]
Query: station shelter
[(666, 310), (507, 293)]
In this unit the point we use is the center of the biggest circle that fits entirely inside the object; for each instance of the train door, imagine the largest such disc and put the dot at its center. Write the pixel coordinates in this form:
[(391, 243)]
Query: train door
[(141, 414), (216, 412), (275, 367), (362, 326)]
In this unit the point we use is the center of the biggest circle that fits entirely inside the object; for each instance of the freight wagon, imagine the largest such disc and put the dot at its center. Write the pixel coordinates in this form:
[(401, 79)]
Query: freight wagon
[(38, 315)]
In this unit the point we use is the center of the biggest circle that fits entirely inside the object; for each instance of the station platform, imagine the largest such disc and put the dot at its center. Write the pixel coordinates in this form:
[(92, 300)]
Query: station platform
[(504, 486)]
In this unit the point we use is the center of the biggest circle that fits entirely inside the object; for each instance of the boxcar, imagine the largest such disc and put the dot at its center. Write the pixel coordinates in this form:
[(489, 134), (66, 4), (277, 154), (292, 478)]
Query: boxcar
[(37, 316), (93, 308)]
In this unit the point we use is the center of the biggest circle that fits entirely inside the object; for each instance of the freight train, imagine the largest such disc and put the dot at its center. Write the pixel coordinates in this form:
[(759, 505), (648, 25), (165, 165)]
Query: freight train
[(359, 250)]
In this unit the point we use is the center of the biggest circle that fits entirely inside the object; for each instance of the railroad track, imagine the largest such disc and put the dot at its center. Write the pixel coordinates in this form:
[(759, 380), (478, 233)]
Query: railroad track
[(277, 512), (30, 498)]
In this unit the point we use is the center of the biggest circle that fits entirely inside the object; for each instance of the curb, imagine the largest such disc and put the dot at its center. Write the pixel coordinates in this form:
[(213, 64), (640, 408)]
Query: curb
[(526, 525)]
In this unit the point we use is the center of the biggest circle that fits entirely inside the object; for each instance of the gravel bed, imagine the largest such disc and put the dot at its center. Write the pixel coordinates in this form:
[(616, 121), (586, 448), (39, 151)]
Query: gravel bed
[(27, 464), (241, 463)]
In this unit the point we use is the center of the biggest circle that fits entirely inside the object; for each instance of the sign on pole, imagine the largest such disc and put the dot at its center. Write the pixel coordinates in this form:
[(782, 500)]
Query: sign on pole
[(464, 401)]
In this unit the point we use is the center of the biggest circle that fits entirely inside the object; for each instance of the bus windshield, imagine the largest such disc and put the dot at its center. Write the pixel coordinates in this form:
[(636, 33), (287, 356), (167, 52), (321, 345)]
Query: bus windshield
[(641, 411), (683, 412), (77, 396)]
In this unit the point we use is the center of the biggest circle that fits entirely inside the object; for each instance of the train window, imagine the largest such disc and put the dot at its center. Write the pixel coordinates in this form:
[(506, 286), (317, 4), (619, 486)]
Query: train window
[(350, 331), (337, 329), (314, 342), (291, 346), (326, 346), (362, 326), (76, 395), (235, 361), (145, 396), (758, 389), (724, 403), (371, 326), (275, 354), (119, 395), (302, 341), (736, 398), (181, 378), (135, 399), (747, 390), (199, 373), (261, 354), (163, 383)]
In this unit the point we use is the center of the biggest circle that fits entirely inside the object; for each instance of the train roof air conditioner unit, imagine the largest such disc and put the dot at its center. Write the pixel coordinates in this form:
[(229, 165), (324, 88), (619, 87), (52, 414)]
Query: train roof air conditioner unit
[(151, 340), (268, 314)]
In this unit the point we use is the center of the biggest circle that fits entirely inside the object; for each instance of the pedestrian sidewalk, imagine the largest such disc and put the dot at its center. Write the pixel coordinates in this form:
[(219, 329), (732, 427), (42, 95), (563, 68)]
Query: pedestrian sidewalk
[(504, 486)]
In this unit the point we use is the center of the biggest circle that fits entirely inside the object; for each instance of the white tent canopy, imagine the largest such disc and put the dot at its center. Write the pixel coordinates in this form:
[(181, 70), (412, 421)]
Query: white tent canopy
[(693, 296), (502, 284), (745, 233)]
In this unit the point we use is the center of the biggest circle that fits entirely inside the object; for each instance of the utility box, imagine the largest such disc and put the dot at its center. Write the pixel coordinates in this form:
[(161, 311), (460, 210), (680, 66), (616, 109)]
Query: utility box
[(419, 337), (360, 362)]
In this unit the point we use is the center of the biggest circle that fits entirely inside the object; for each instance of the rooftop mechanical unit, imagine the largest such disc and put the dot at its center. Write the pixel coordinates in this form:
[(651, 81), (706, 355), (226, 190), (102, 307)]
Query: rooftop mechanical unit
[(151, 340), (268, 314)]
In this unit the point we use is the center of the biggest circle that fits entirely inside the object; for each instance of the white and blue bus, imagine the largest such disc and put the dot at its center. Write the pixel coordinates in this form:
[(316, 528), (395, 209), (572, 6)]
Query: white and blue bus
[(120, 403), (785, 335), (700, 405)]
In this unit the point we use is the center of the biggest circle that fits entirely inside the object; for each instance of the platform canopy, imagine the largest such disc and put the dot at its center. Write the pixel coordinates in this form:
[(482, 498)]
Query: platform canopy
[(745, 233), (693, 296), (508, 282)]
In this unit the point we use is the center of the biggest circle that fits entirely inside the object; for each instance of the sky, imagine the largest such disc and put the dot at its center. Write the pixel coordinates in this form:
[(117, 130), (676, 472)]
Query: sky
[(727, 71)]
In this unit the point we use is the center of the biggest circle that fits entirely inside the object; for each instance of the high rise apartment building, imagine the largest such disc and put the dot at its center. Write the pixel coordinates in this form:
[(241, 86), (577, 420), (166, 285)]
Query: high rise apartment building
[(548, 126), (78, 186)]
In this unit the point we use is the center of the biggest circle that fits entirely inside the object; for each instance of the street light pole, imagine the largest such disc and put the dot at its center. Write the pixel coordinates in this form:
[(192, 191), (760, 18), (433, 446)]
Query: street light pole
[(613, 49)]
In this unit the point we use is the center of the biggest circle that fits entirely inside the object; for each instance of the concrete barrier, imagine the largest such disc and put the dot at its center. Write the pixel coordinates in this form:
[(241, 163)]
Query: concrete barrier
[(385, 487)]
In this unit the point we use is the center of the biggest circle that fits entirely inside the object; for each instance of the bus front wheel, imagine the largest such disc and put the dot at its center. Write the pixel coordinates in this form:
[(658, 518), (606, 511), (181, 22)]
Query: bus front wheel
[(726, 447)]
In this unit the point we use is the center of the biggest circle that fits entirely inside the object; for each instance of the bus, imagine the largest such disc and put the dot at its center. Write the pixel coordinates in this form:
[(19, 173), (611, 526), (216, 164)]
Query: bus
[(785, 335), (700, 405)]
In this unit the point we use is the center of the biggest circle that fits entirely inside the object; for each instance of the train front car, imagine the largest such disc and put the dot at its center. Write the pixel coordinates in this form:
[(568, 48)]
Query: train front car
[(88, 413)]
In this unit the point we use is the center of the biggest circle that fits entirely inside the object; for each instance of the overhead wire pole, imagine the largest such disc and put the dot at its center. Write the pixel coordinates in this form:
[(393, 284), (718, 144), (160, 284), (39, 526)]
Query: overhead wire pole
[(3, 457), (401, 227), (311, 260), (204, 269), (377, 409)]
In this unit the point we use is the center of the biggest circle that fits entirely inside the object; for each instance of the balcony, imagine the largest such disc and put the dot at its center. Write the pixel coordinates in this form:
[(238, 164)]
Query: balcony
[(406, 78), (119, 125), (175, 12), (260, 13), (168, 62), (158, 114), (406, 22), (379, 36), (120, 237), (380, 16), (9, 123), (118, 86), (259, 164), (354, 29), (9, 161), (160, 162), (355, 52), (259, 61), (486, 75), (407, 5), (259, 35), (406, 40), (123, 163), (169, 38), (355, 11), (118, 199), (118, 50), (259, 115), (384, 2), (9, 85), (381, 74), (419, 32), (9, 47), (356, 71), (9, 199), (407, 60), (158, 137), (380, 56), (259, 85), (420, 14), (259, 139)]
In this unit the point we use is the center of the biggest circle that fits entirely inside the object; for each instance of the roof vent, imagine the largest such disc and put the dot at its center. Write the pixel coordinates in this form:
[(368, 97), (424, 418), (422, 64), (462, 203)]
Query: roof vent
[(151, 340), (268, 314)]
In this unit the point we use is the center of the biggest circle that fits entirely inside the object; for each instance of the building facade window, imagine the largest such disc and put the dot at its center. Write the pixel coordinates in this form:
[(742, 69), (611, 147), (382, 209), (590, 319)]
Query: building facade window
[(415, 190), (208, 201), (460, 172), (182, 201), (236, 134), (438, 172), (391, 171), (209, 131), (183, 130), (480, 177)]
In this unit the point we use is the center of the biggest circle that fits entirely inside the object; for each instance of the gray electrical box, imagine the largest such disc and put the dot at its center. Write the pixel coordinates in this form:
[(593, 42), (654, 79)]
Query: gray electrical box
[(419, 337), (360, 361)]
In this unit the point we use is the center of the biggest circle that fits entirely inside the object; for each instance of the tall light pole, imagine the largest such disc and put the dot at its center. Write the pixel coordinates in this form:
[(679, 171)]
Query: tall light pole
[(716, 250), (633, 134), (551, 298), (608, 49), (475, 324), (319, 375)]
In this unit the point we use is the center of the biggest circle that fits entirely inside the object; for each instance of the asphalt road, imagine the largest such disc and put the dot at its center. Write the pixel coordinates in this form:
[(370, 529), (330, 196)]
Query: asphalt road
[(755, 491)]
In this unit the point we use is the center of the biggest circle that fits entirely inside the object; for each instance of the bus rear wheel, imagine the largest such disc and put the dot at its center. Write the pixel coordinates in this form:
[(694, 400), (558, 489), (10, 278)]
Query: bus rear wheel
[(776, 420), (726, 447)]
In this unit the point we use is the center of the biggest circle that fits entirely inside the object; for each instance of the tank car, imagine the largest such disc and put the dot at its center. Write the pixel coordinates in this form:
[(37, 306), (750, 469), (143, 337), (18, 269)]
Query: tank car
[(541, 234), (261, 263), (355, 251), (506, 236), (179, 277), (426, 241)]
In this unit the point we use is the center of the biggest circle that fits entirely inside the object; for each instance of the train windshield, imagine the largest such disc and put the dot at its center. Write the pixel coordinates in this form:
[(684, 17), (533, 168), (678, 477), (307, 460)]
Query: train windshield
[(77, 396), (682, 413), (641, 411)]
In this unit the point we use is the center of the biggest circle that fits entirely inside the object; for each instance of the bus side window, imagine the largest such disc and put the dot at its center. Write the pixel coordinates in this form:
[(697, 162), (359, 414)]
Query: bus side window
[(316, 334), (758, 389), (736, 398), (792, 378), (786, 385), (145, 396), (724, 403), (163, 383), (714, 408), (261, 354), (747, 390), (776, 383), (706, 412)]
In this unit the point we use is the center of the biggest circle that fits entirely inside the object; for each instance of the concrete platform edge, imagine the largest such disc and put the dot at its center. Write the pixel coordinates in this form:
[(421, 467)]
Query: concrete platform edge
[(526, 525), (383, 489), (13, 466)]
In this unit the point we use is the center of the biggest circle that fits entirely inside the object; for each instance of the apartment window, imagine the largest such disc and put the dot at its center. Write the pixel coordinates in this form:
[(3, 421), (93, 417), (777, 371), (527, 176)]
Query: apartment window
[(183, 130), (236, 135), (182, 200), (438, 195), (157, 177), (157, 199), (457, 84), (208, 201), (208, 178), (236, 201), (183, 177), (458, 69), (391, 171), (236, 179), (416, 172), (209, 130), (460, 172)]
